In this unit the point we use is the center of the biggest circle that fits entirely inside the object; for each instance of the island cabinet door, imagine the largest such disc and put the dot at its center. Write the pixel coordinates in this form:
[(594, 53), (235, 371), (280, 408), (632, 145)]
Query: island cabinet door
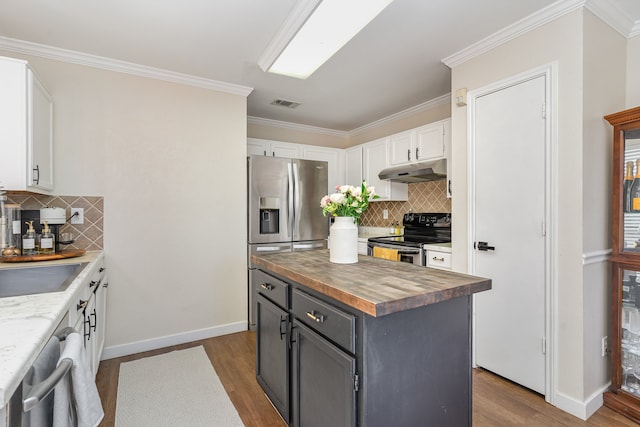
[(324, 381), (272, 353)]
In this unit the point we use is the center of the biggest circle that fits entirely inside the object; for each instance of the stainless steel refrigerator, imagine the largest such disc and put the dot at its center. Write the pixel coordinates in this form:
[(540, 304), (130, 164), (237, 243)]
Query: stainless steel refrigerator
[(284, 211)]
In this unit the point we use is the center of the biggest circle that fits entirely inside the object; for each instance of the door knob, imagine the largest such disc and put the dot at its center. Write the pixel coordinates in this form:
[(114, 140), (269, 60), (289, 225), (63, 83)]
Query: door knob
[(483, 246)]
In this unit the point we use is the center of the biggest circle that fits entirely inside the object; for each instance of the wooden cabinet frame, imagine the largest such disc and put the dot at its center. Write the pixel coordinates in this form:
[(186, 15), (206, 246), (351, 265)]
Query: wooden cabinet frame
[(618, 399)]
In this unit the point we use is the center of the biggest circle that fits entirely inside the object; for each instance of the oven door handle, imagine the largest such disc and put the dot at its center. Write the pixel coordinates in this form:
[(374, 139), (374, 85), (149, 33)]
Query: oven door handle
[(42, 389), (401, 250)]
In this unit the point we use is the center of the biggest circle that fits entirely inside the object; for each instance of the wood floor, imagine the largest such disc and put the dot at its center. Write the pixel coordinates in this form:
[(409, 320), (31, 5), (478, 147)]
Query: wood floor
[(496, 402)]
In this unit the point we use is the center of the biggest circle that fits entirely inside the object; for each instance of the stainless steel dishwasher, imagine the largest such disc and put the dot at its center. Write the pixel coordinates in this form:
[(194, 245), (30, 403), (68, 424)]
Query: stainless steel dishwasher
[(31, 399)]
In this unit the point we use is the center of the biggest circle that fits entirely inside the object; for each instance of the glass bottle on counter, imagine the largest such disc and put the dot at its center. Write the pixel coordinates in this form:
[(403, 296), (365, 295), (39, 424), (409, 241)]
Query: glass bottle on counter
[(29, 240), (635, 190), (47, 240), (628, 182)]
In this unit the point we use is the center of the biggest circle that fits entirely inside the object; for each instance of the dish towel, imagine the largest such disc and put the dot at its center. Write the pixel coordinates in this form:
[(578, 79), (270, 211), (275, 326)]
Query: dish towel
[(386, 253), (77, 402), (45, 364)]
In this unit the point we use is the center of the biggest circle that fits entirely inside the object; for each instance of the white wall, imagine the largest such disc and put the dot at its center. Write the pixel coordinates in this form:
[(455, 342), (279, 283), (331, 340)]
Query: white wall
[(604, 93), (170, 161), (633, 71), (560, 42)]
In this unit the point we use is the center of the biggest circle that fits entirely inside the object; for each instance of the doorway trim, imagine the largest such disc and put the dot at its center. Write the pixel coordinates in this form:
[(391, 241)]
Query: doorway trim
[(550, 72)]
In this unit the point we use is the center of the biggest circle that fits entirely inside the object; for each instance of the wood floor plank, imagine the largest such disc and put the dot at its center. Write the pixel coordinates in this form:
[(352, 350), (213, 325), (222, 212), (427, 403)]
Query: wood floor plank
[(496, 402)]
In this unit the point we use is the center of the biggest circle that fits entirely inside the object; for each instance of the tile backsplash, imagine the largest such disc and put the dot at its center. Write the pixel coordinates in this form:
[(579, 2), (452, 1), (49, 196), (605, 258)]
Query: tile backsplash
[(87, 236), (423, 197)]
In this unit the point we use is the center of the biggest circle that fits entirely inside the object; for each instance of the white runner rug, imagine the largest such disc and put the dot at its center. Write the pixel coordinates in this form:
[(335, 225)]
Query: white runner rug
[(179, 388)]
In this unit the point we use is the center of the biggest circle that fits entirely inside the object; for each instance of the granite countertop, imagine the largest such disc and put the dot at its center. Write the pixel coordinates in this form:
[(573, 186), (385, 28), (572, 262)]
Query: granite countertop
[(374, 286), (26, 323)]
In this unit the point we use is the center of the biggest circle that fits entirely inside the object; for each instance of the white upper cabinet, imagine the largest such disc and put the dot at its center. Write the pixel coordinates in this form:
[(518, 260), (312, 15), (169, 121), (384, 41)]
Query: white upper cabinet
[(353, 165), (335, 159), (418, 145), (265, 147), (26, 129), (374, 160)]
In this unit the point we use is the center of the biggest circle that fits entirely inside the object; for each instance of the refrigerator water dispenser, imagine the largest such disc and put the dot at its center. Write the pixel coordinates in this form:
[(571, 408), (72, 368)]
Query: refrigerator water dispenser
[(269, 215)]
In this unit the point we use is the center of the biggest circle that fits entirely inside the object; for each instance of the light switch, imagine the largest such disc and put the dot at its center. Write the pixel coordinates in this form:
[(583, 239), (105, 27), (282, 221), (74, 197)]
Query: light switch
[(385, 214), (461, 97)]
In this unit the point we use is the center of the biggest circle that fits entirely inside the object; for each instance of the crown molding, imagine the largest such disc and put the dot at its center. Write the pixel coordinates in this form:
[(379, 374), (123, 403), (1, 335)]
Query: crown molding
[(606, 10), (295, 126), (444, 99), (535, 20), (70, 56), (617, 18)]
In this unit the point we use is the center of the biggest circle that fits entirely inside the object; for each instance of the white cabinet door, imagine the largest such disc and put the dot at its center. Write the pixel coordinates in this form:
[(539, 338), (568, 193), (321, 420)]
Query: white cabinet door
[(40, 146), (417, 145), (374, 159), (353, 165), (334, 158), (401, 149), (256, 147), (26, 132), (265, 147), (285, 149), (100, 323), (429, 142)]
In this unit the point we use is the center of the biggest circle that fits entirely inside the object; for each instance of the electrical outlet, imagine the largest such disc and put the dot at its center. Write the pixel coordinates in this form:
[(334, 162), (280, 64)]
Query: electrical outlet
[(77, 216), (385, 214), (605, 346)]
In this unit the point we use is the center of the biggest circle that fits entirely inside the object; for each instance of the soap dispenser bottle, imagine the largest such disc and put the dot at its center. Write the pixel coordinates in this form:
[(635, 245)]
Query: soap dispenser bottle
[(47, 240), (29, 240)]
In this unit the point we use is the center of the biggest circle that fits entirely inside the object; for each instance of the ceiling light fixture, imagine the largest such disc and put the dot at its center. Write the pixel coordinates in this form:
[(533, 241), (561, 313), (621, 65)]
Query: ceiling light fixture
[(314, 31)]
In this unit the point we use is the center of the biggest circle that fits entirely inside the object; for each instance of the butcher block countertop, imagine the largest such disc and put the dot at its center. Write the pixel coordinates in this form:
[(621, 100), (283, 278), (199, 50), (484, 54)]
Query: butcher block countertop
[(374, 286)]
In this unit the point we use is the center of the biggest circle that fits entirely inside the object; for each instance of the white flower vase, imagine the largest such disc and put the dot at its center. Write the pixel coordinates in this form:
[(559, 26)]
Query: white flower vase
[(343, 241)]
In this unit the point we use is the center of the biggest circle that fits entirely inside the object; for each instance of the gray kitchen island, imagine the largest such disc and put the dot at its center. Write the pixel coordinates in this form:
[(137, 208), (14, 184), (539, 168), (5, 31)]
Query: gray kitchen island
[(376, 343)]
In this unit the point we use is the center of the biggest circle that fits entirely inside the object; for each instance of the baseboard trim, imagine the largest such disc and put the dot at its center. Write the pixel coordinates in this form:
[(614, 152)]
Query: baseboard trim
[(169, 340), (582, 410)]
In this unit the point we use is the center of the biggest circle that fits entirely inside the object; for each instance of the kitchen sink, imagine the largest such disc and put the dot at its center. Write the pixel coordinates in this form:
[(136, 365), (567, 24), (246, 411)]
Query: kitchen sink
[(37, 280)]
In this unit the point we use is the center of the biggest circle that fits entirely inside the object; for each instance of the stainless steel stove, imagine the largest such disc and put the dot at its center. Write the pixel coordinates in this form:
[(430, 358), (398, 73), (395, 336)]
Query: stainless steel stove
[(419, 229)]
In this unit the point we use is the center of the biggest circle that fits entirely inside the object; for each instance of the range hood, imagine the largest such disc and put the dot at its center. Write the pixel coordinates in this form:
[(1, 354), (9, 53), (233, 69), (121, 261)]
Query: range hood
[(416, 172)]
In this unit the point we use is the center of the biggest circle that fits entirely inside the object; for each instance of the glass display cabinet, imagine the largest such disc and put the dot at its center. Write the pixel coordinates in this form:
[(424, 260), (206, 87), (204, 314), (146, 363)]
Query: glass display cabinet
[(624, 393)]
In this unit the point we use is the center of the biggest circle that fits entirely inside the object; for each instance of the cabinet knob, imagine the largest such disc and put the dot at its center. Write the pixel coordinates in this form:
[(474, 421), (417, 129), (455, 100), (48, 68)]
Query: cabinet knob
[(435, 258), (417, 153), (409, 155)]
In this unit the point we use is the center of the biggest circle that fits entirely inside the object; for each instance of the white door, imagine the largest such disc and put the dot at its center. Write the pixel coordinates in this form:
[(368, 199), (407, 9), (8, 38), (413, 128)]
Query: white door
[(508, 198)]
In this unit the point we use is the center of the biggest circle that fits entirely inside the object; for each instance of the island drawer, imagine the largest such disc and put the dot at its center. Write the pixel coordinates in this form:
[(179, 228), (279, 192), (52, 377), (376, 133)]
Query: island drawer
[(332, 322), (272, 288)]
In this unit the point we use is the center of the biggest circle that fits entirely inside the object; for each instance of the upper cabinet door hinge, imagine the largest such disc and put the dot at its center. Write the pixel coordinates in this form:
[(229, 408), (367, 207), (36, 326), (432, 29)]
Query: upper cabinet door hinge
[(544, 111)]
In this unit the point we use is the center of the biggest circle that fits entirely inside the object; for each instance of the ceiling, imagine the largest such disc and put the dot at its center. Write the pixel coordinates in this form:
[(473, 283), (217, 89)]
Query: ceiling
[(394, 64)]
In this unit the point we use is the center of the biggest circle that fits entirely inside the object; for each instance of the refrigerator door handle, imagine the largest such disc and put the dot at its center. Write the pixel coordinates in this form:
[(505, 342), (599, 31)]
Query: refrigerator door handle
[(296, 201), (290, 199)]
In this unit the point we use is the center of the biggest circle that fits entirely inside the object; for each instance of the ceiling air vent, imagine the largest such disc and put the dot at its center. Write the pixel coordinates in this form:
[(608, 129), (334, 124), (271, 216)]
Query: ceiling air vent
[(285, 103)]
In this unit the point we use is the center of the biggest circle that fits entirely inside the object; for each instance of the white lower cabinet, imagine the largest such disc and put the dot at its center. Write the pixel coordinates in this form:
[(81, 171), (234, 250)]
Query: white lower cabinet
[(362, 246), (87, 315), (438, 257)]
